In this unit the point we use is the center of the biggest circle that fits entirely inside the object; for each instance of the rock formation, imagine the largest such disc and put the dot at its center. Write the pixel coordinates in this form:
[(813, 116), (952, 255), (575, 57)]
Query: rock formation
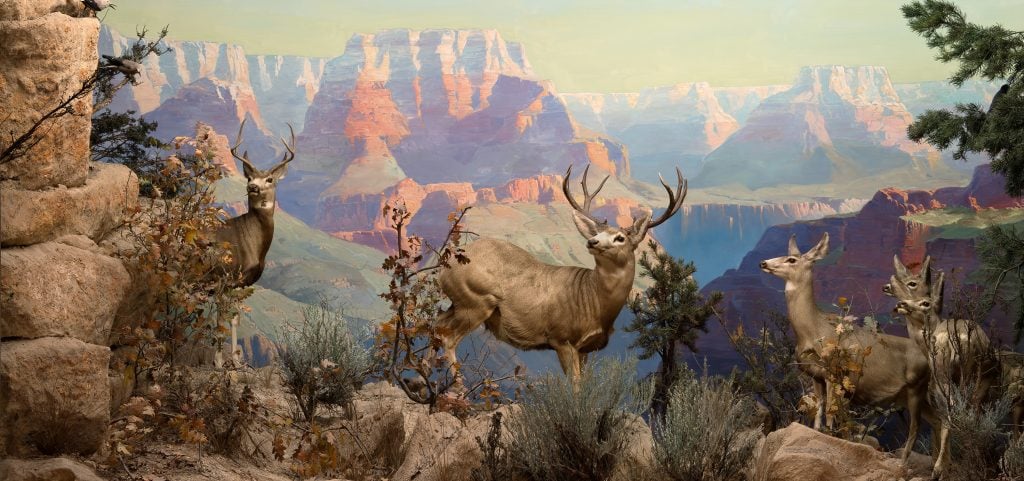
[(663, 127), (273, 90), (59, 289), (799, 452), (835, 124), (436, 106)]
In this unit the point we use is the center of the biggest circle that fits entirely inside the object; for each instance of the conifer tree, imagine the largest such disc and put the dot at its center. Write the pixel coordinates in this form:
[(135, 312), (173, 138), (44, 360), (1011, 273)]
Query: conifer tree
[(1001, 251), (667, 314), (992, 53)]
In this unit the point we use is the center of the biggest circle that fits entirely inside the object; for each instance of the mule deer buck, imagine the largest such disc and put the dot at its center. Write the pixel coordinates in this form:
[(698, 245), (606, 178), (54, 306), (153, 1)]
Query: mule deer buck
[(251, 233), (532, 305), (895, 372)]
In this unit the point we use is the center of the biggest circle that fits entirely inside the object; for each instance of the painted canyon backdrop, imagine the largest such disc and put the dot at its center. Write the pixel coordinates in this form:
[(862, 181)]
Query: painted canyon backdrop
[(799, 126)]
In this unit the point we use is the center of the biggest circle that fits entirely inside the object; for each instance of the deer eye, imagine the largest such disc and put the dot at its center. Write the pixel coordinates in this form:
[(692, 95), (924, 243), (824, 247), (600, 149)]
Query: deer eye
[(926, 304), (912, 284), (791, 260), (270, 180), (619, 238)]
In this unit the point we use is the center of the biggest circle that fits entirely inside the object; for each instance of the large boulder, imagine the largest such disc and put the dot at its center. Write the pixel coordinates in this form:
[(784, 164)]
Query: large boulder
[(44, 60), (54, 396), (799, 453), (442, 447), (29, 9), (56, 290), (384, 420), (93, 209), (56, 469)]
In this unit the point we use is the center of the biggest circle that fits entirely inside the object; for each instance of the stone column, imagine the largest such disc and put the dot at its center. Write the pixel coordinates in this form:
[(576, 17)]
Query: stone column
[(59, 291)]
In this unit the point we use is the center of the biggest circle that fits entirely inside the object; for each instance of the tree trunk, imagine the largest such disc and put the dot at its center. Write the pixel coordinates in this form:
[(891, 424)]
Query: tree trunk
[(667, 371)]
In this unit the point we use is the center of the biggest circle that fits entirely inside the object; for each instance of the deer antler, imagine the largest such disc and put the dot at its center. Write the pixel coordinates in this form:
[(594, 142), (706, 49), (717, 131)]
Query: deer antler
[(675, 201), (290, 154), (238, 143), (588, 197)]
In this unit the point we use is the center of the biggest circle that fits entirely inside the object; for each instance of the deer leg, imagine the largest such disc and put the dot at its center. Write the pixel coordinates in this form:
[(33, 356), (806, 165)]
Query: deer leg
[(914, 410), (940, 460), (454, 324), (819, 391), (830, 418), (569, 358), (236, 351)]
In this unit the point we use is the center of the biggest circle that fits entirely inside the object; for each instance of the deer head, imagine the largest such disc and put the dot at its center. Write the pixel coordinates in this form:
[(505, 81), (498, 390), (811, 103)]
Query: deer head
[(906, 286), (262, 184), (617, 244), (796, 267), (923, 311)]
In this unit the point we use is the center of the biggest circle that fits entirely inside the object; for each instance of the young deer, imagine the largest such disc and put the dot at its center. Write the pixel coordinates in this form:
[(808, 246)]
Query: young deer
[(957, 350), (894, 372), (905, 285), (532, 305), (251, 233)]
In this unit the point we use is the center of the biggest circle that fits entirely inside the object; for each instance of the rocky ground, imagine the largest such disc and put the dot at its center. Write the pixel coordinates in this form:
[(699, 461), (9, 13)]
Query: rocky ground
[(387, 437)]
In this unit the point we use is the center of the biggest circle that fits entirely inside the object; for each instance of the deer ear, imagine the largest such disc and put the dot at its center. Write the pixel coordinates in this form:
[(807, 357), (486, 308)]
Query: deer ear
[(901, 270), (279, 170), (819, 251), (638, 228), (586, 226), (247, 168), (936, 292), (793, 249)]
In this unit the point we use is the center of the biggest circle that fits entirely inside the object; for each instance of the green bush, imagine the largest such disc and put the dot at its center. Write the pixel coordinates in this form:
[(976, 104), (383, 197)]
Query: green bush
[(976, 436), (565, 430), (707, 432), (324, 361)]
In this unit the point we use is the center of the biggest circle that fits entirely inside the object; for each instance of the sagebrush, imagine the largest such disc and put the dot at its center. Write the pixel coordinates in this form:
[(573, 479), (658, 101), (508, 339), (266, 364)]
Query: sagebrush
[(709, 431), (580, 431), (324, 360)]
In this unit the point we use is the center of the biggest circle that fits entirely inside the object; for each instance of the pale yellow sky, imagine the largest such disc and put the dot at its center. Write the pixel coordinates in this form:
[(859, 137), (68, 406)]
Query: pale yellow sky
[(596, 45)]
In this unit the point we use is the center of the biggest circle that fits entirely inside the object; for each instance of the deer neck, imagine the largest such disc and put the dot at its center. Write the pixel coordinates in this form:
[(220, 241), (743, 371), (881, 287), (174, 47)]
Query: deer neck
[(613, 281), (804, 315), (264, 216)]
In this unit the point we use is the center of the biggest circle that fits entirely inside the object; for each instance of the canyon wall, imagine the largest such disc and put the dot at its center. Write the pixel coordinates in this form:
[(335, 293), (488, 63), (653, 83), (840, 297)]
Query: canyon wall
[(59, 285)]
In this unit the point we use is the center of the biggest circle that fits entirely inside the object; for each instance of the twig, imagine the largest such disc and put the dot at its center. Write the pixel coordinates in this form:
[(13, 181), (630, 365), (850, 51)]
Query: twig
[(125, 466)]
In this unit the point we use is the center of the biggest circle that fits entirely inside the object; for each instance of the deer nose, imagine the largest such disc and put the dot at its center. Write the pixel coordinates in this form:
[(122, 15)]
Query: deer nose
[(764, 264), (253, 188), (591, 242), (887, 288), (902, 305)]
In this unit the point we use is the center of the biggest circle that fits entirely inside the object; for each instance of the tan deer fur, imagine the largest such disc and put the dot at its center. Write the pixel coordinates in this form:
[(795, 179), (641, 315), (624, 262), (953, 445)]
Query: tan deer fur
[(905, 285), (251, 233), (532, 305), (894, 373), (957, 350)]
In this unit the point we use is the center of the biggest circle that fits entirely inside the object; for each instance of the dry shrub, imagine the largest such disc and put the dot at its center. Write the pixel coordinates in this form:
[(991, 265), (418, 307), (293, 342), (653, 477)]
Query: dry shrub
[(566, 430), (324, 361), (708, 432)]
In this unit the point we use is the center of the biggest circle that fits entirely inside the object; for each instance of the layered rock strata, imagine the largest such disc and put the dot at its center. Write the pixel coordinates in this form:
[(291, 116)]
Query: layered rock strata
[(59, 289)]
